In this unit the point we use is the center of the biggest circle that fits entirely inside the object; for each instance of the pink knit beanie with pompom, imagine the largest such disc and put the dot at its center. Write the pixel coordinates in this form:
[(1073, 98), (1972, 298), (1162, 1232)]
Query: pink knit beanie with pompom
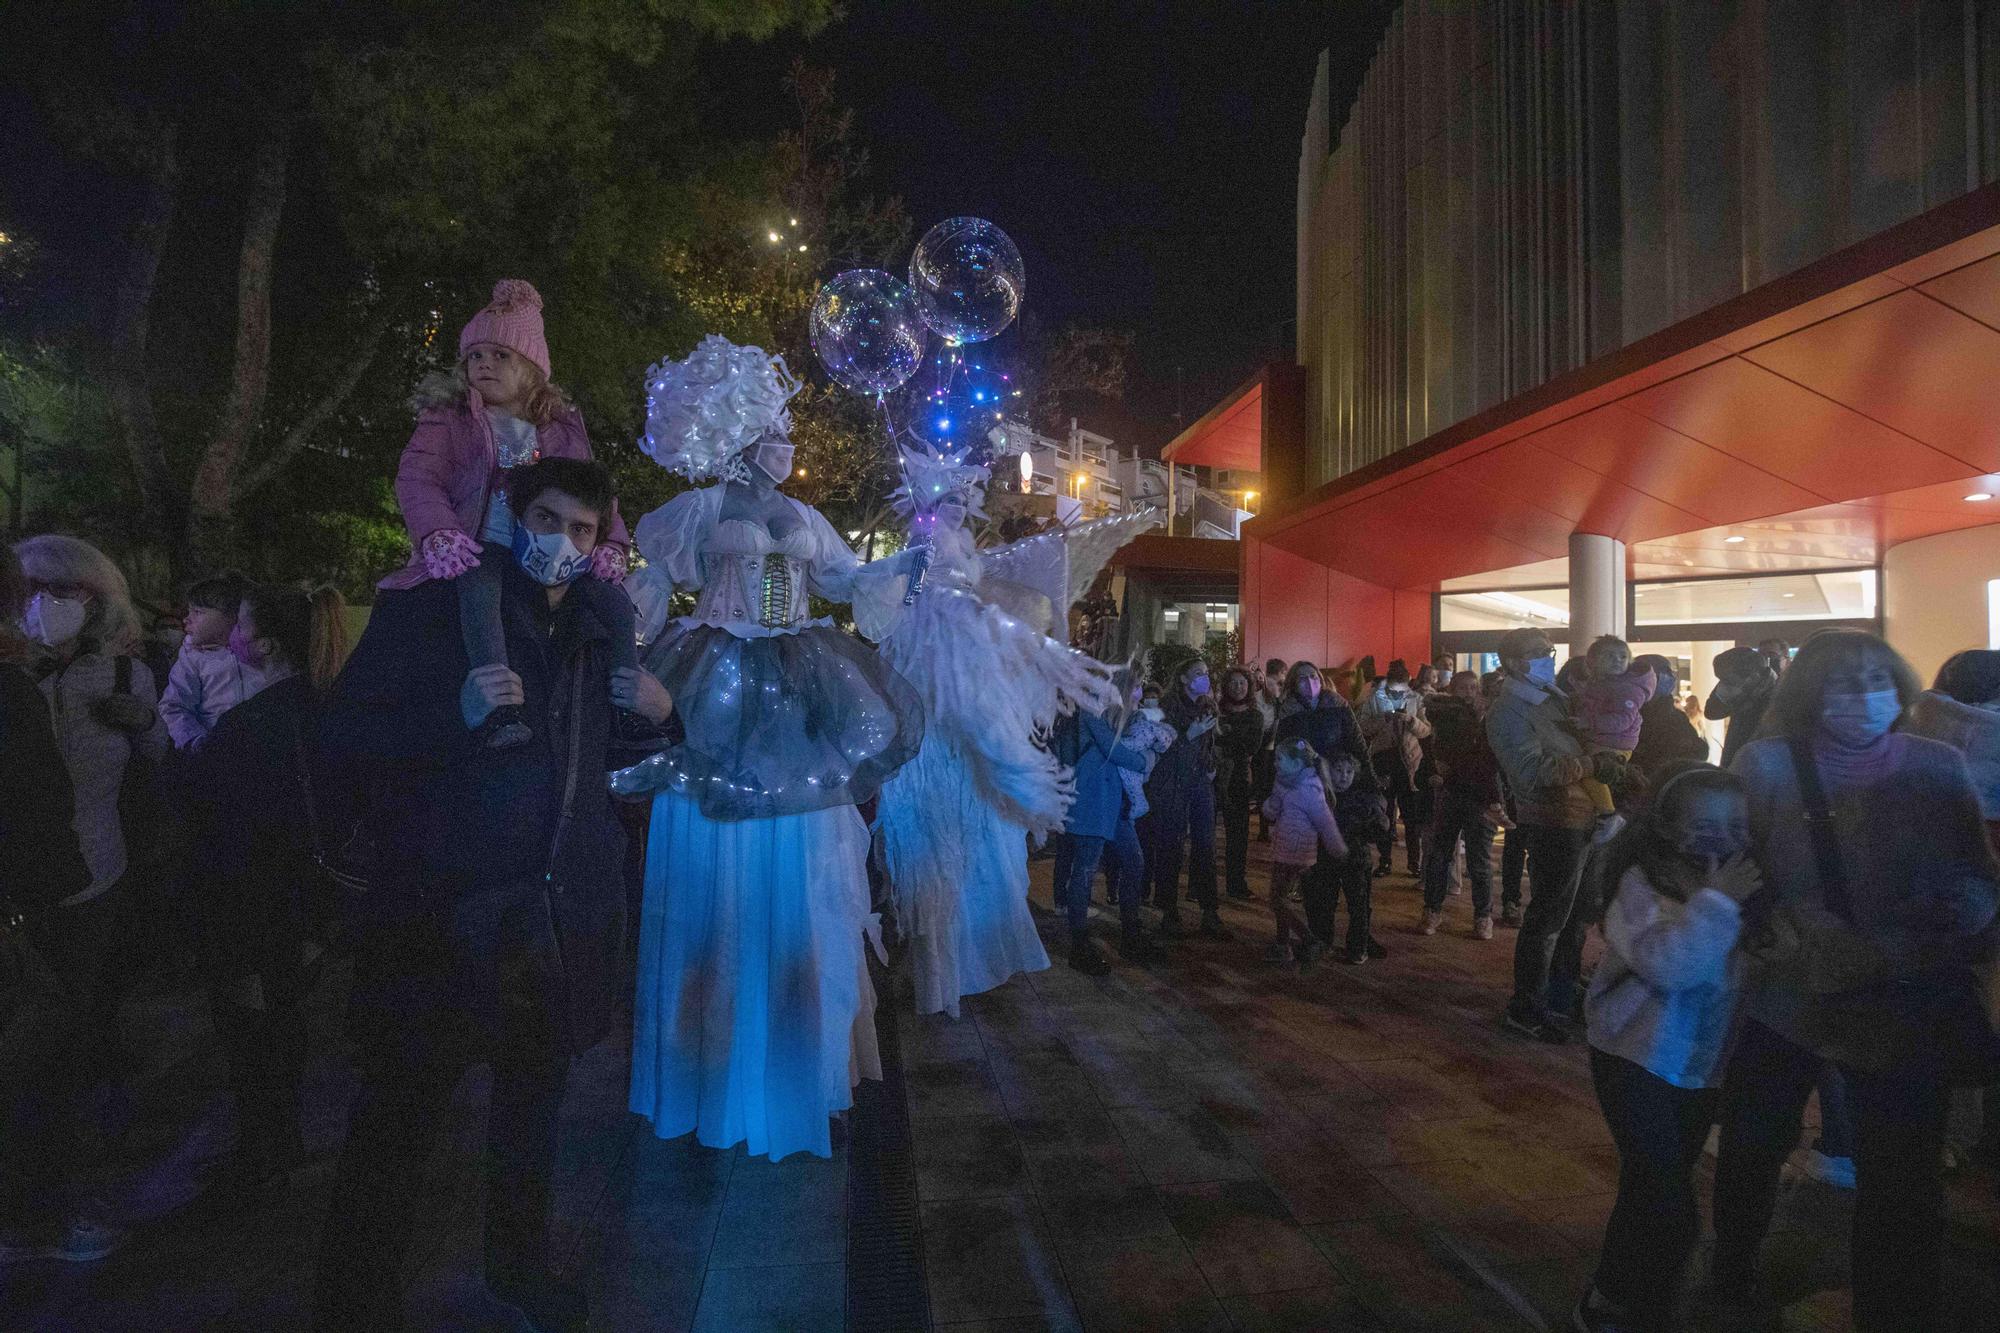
[(513, 320)]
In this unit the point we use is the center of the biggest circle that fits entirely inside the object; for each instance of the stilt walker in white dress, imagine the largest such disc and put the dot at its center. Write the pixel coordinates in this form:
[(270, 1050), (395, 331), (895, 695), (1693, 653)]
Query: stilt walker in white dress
[(754, 1013), (974, 642)]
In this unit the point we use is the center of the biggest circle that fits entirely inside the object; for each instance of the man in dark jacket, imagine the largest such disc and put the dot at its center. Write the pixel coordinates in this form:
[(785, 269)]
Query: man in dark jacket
[(1544, 760), (1665, 734), (1743, 690), (1182, 794), (1468, 804), (493, 931)]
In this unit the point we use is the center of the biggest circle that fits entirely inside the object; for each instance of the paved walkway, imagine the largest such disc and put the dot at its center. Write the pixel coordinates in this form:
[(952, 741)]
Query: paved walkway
[(1212, 1144)]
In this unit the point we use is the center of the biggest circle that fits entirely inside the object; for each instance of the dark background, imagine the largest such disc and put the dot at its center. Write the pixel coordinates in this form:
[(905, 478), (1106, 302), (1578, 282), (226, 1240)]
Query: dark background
[(1143, 157)]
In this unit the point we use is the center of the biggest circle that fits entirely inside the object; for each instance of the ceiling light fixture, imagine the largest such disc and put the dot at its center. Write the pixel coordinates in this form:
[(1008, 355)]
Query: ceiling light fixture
[(1732, 540), (1978, 496)]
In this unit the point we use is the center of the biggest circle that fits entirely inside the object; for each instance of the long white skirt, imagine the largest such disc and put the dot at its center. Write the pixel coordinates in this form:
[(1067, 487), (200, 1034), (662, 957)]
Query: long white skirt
[(755, 1016), (960, 872)]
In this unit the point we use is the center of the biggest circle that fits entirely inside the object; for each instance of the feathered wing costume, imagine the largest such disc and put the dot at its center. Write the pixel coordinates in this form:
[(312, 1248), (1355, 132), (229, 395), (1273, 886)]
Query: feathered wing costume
[(754, 1014), (973, 643)]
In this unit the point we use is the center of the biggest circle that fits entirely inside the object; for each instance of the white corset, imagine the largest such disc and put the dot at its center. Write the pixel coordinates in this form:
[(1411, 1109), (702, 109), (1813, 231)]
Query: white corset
[(749, 579)]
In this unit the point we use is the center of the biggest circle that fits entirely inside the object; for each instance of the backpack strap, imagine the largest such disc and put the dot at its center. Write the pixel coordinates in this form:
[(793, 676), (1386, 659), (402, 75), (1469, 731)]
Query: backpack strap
[(1819, 828)]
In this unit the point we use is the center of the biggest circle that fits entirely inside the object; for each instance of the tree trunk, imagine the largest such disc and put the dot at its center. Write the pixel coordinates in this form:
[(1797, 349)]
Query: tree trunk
[(250, 378), (131, 324), (302, 431)]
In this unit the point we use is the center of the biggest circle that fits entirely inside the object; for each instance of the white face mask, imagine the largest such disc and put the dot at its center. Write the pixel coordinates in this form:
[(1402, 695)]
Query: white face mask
[(54, 620), (550, 559), (774, 459)]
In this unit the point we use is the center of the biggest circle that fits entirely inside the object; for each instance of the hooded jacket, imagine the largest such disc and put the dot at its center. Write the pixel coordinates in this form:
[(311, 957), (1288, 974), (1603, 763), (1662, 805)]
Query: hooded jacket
[(1301, 820), (447, 471)]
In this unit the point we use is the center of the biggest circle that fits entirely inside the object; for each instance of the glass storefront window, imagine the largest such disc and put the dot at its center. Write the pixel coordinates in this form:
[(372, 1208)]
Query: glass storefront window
[(1504, 609), (1849, 594)]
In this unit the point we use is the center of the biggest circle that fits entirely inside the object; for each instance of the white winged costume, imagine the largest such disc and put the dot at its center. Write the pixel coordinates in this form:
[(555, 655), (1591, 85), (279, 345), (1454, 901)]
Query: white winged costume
[(975, 644)]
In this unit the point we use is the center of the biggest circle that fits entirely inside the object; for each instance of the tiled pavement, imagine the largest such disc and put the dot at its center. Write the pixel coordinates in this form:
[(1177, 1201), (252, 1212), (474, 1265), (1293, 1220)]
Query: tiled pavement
[(1215, 1143)]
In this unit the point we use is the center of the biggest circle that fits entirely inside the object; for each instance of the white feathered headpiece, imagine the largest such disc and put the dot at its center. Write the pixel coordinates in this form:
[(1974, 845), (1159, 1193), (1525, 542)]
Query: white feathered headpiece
[(932, 479), (702, 413)]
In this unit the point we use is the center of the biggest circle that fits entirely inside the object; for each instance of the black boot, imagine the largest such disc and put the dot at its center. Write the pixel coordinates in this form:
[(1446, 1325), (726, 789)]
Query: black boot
[(1212, 927), (1085, 956)]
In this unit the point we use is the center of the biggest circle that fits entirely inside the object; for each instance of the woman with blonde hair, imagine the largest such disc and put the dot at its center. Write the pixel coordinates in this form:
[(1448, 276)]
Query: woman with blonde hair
[(101, 699)]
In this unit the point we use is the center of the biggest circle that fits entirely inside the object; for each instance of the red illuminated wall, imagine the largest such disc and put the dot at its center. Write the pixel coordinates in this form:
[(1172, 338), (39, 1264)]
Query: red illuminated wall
[(1294, 608)]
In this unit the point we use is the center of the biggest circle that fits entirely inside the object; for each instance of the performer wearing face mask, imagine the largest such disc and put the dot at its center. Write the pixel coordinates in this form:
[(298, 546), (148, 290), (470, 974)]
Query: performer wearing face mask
[(1872, 842), (755, 1014)]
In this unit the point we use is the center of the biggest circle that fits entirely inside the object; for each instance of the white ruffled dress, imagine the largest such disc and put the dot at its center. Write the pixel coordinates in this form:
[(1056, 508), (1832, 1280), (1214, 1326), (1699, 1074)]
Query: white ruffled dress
[(754, 1016)]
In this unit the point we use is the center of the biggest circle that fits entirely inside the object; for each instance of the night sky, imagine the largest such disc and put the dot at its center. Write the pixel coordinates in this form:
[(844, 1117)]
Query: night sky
[(1143, 157)]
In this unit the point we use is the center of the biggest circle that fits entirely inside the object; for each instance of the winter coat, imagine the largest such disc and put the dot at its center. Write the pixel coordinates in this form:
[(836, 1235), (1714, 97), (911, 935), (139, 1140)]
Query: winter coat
[(204, 684), (1151, 739), (1238, 736), (1098, 756), (1329, 727), (451, 818), (1301, 820), (1460, 751), (254, 843), (448, 470), (1971, 729), (98, 755), (1920, 878), (1666, 736), (1541, 755), (38, 844), (1395, 734), (1745, 715), (1185, 762), (1607, 711), (1361, 815), (1665, 993)]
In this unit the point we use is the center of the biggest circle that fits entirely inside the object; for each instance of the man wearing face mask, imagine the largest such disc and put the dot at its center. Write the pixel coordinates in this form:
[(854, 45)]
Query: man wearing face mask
[(493, 924), (1182, 794), (1543, 759), (1743, 689)]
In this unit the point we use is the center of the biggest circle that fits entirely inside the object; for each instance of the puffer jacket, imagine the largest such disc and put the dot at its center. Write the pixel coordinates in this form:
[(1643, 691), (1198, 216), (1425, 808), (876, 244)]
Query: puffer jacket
[(1151, 739), (204, 684), (1971, 729), (1400, 731), (446, 474), (1541, 756), (1301, 820)]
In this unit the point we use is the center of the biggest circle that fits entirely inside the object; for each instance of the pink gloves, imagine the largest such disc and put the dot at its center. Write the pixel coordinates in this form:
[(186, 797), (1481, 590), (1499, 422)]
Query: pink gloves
[(607, 563), (449, 553)]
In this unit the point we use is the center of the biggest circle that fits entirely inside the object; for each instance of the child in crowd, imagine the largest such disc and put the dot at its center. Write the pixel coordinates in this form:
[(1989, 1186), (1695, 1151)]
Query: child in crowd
[(1147, 732), (1661, 1011), (207, 680), (1302, 827), (1609, 695), (496, 411), (1360, 816)]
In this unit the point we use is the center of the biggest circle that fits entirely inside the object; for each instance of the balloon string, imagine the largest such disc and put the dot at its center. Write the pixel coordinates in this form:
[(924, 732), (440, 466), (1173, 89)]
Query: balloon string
[(920, 553)]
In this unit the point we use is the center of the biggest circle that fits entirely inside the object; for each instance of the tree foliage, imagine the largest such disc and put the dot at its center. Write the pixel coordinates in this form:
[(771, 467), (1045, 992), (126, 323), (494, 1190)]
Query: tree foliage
[(316, 194)]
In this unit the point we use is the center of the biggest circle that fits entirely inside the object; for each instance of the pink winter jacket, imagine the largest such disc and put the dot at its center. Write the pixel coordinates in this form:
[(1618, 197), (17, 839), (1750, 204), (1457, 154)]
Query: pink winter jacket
[(449, 468), (1301, 821), (1608, 710)]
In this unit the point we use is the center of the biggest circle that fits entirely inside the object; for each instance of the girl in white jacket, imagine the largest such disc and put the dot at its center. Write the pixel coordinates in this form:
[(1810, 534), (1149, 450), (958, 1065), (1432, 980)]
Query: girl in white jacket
[(1661, 1010)]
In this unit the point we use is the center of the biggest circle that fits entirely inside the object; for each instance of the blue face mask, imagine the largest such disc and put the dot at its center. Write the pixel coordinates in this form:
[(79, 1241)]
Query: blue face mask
[(1198, 686), (1858, 720), (1542, 672), (550, 559)]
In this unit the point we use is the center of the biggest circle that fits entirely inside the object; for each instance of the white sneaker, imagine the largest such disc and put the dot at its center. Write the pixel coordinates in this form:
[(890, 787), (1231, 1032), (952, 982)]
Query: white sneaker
[(1835, 1171), (1482, 929), (1432, 920)]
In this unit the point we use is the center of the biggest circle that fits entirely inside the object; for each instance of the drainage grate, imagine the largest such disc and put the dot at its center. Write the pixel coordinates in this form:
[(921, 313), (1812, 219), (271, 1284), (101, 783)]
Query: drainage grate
[(886, 1291)]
